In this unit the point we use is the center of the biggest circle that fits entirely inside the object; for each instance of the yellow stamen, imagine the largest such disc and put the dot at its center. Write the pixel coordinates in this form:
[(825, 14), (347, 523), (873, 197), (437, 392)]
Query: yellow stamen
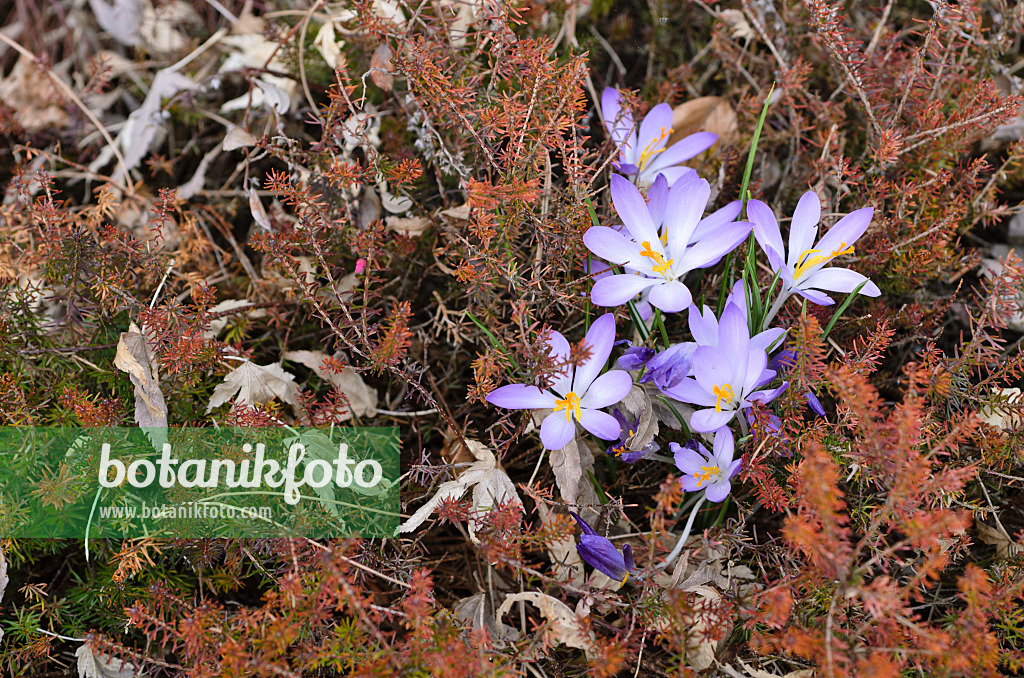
[(649, 152), (660, 265), (806, 261), (706, 476), (623, 582), (571, 405), (619, 450), (724, 392)]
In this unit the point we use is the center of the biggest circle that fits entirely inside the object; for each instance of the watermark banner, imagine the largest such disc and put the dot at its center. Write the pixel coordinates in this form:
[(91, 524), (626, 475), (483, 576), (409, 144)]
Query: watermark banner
[(198, 482)]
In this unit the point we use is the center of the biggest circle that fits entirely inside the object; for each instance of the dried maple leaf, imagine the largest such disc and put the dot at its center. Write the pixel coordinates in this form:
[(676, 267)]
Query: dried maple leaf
[(252, 384)]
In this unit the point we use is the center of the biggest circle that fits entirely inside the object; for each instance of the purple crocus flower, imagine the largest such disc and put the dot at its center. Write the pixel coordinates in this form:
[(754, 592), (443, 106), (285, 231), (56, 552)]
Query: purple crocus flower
[(727, 376), (576, 395), (644, 153), (803, 271), (602, 555), (709, 472), (657, 204), (704, 325), (814, 403), (601, 269), (661, 265), (621, 449)]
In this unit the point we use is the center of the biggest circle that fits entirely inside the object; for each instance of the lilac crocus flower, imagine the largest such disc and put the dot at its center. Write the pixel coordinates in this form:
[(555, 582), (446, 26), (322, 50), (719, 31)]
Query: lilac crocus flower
[(803, 271), (644, 153), (602, 555), (621, 449), (727, 376), (577, 394), (711, 472), (659, 266)]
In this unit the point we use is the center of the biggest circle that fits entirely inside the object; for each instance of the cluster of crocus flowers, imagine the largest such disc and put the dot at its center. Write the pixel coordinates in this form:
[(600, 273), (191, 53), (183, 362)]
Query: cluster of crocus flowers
[(727, 368), (576, 394), (644, 153)]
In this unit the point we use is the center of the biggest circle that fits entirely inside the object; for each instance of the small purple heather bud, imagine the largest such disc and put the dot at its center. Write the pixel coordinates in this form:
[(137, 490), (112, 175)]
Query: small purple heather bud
[(815, 404), (602, 555), (634, 358)]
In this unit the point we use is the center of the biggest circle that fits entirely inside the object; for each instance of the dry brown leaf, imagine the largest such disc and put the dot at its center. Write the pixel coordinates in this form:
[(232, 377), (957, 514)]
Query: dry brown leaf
[(565, 626), (362, 399), (737, 21), (380, 65), (93, 664), (564, 555), (1002, 419), (121, 20), (637, 404), (477, 612), (237, 137), (32, 97), (708, 114), (135, 357), (753, 672), (489, 482), (327, 43), (408, 226), (254, 385), (995, 535)]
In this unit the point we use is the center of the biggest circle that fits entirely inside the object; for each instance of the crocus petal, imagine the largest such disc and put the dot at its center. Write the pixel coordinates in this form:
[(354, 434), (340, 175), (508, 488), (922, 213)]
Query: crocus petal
[(671, 296), (556, 432), (627, 556), (627, 168), (677, 175), (657, 198), (833, 279), (718, 490), (706, 421), (602, 555), (725, 447), (815, 297), (609, 244), (587, 529), (766, 232), (756, 374), (596, 268), (713, 367), (703, 326), (684, 149), (815, 404), (608, 389), (846, 231), (601, 424), (632, 209), (520, 397), (690, 484), (733, 334), (599, 338), (686, 204), (616, 290), (804, 227), (689, 391), (767, 396), (709, 251), (618, 122), (688, 461), (558, 350), (765, 340), (634, 358), (711, 223), (654, 130)]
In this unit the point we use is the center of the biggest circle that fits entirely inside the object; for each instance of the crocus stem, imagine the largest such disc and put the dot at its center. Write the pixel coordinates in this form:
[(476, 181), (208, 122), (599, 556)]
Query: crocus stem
[(686, 533), (773, 311), (661, 325)]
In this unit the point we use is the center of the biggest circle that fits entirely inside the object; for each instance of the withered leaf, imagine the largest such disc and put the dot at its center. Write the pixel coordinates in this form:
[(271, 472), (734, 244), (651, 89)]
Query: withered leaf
[(565, 625), (254, 385), (135, 357), (709, 114), (93, 664), (380, 67), (362, 399)]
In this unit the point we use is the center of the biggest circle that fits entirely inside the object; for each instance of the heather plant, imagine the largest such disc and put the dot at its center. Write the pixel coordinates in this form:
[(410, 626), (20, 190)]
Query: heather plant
[(700, 326)]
